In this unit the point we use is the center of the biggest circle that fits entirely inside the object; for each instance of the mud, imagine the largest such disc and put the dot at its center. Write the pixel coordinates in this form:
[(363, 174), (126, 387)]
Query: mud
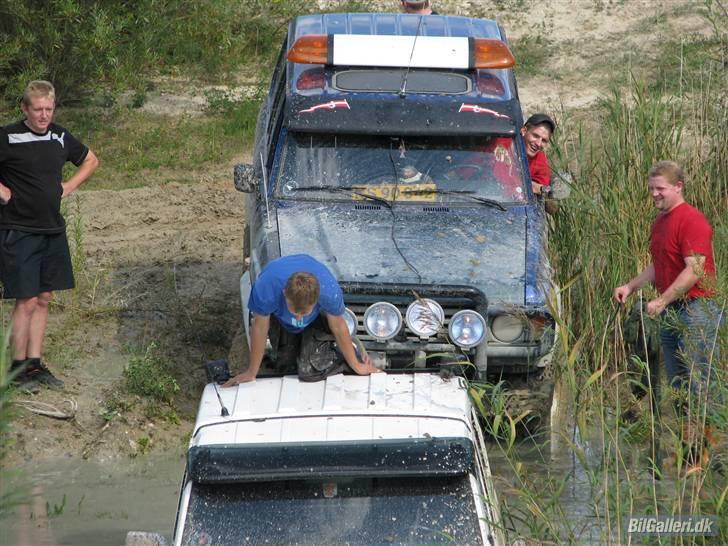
[(162, 267)]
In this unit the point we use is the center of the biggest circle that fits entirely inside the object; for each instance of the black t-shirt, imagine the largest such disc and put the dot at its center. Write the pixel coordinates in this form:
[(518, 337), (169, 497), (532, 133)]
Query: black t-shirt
[(31, 165)]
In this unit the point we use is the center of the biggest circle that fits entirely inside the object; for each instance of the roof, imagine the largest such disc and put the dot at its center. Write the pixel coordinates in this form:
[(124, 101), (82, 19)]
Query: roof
[(342, 408), (394, 24)]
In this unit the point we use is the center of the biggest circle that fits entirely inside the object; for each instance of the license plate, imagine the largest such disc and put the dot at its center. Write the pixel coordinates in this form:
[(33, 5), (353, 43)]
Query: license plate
[(391, 192)]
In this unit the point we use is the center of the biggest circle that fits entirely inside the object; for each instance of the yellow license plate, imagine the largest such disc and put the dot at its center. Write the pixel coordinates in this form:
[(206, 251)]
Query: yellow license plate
[(398, 191)]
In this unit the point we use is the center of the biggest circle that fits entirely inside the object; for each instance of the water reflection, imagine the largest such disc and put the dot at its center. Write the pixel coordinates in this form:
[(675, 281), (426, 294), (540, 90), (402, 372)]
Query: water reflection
[(82, 503)]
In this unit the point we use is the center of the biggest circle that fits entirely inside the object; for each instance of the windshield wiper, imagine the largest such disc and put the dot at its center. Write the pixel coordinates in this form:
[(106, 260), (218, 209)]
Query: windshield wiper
[(463, 193), (344, 189)]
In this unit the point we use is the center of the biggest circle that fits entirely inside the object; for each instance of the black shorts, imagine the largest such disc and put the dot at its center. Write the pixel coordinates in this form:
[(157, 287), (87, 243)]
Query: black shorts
[(31, 263)]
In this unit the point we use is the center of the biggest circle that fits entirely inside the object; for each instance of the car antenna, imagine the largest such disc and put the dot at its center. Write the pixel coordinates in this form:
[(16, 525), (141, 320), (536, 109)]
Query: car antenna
[(403, 89), (218, 372), (223, 410), (265, 189)]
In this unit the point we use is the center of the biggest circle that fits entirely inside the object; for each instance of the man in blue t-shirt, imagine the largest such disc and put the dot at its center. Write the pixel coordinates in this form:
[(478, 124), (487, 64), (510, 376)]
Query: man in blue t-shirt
[(296, 290)]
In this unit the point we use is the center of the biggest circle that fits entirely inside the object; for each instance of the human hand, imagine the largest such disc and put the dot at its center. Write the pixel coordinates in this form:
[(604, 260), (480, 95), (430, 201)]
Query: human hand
[(244, 377), (5, 194), (621, 293), (366, 366), (536, 188), (655, 307)]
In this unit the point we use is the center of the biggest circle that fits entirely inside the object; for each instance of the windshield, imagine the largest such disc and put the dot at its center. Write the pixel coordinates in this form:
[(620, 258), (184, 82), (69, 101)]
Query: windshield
[(346, 512), (405, 169)]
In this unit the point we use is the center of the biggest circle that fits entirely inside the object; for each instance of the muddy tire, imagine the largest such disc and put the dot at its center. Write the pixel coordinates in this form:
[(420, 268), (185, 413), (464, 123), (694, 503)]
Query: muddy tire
[(246, 247), (530, 399)]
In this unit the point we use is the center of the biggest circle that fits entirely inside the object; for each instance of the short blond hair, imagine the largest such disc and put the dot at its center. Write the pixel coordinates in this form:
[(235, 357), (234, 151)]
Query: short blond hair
[(672, 172), (38, 88), (302, 291)]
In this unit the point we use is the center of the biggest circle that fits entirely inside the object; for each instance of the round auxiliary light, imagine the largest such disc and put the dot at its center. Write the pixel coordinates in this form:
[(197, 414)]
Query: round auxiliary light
[(350, 319), (425, 317), (467, 329), (382, 320), (507, 328)]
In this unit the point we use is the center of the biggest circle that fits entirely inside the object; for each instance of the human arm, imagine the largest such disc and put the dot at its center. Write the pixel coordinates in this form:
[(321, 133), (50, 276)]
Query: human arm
[(338, 328), (621, 293), (5, 194), (540, 172), (691, 274), (85, 169), (258, 335)]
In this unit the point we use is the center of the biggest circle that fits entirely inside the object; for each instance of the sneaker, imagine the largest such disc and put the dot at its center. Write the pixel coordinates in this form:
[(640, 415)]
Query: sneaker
[(21, 379), (37, 371)]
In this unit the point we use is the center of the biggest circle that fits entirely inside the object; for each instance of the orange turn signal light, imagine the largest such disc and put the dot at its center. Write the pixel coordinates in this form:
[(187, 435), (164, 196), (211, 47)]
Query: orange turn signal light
[(489, 53), (311, 49)]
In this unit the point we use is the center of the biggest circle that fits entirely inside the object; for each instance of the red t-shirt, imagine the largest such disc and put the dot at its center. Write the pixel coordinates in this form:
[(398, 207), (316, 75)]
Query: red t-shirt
[(540, 169), (676, 235)]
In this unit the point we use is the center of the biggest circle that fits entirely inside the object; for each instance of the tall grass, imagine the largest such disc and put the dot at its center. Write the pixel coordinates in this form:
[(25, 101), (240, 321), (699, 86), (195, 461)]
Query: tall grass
[(628, 455)]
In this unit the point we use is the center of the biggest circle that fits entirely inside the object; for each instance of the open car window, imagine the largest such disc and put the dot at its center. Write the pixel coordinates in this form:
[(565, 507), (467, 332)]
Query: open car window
[(401, 168), (351, 512)]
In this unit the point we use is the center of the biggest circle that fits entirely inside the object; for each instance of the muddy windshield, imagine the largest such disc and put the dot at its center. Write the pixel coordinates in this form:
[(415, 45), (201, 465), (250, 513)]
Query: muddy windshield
[(345, 512), (406, 169)]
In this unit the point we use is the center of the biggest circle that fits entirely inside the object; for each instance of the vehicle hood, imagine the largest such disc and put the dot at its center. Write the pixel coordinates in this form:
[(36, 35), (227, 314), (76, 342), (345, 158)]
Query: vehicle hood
[(475, 246)]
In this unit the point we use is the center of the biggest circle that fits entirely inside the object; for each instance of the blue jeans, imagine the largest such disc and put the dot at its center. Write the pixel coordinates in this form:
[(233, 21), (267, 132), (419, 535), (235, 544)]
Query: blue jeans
[(689, 338)]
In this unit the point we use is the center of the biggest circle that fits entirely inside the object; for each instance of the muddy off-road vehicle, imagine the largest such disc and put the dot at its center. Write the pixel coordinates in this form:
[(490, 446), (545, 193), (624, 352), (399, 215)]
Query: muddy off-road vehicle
[(389, 149)]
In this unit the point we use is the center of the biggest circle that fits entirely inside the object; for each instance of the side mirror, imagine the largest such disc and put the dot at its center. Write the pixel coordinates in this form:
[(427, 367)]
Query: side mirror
[(144, 538), (244, 178)]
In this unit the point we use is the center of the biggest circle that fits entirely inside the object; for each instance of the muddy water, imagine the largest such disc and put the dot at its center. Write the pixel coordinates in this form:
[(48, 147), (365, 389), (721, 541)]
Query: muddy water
[(83, 503), (555, 462)]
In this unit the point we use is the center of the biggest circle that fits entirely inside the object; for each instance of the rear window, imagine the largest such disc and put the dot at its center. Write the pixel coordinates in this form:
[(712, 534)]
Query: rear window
[(345, 512)]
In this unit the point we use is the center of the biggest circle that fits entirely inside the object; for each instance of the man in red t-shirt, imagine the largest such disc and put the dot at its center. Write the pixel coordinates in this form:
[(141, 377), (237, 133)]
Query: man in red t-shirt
[(683, 271), (536, 133)]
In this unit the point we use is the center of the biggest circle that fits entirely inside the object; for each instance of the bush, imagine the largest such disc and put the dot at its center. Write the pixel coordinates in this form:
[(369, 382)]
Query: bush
[(147, 375)]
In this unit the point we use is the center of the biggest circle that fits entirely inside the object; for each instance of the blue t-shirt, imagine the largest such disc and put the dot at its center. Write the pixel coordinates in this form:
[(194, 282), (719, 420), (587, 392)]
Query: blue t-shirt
[(267, 298)]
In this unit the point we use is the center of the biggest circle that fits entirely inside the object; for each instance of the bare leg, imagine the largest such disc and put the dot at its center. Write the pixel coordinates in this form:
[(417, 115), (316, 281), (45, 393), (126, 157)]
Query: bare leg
[(30, 318), (20, 334), (38, 323)]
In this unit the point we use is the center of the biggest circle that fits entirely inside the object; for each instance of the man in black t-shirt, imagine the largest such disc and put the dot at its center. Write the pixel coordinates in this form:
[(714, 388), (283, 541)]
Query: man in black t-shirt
[(34, 255)]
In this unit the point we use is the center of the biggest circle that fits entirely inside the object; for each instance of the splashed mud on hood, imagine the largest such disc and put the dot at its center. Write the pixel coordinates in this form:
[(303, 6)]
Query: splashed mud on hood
[(482, 247)]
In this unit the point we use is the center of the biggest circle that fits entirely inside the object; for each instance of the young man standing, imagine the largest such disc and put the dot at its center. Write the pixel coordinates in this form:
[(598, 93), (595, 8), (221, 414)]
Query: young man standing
[(683, 271), (296, 290), (419, 7), (34, 255), (536, 134)]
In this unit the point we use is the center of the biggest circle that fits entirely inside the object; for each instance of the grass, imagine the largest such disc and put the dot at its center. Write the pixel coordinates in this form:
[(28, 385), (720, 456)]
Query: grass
[(138, 148), (148, 375), (626, 458)]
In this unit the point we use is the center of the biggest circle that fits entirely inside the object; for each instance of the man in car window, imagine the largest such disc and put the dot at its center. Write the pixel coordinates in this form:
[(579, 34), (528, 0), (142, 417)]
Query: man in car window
[(419, 7), (295, 290), (536, 134)]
